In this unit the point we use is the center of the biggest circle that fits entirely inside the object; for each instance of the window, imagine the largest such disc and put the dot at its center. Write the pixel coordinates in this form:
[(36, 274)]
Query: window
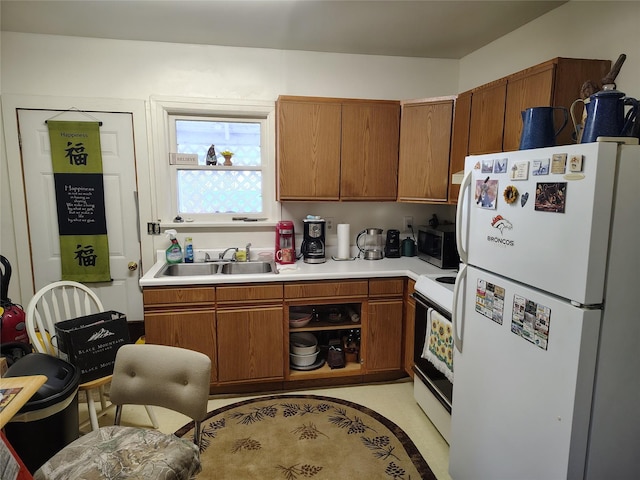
[(211, 192)]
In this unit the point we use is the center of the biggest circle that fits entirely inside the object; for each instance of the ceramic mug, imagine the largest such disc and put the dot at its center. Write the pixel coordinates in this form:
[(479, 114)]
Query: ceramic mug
[(285, 255)]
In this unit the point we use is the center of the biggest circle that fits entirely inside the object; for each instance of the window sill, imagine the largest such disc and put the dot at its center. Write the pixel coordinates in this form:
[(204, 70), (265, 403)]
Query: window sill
[(209, 225)]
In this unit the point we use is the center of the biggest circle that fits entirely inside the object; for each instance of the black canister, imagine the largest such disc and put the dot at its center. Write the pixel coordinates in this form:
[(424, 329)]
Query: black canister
[(408, 247)]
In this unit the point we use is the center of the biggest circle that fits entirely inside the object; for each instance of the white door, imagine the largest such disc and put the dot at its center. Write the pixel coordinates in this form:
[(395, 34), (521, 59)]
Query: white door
[(522, 383), (119, 166)]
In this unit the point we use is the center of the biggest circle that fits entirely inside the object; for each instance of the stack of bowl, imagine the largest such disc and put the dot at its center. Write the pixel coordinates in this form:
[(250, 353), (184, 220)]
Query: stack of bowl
[(303, 348)]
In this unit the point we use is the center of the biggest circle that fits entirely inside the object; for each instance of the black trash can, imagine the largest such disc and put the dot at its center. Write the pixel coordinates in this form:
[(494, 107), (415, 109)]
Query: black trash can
[(49, 421)]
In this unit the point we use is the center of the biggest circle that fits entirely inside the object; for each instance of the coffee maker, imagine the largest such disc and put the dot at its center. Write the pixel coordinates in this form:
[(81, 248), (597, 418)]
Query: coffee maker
[(285, 242), (313, 240), (392, 247)]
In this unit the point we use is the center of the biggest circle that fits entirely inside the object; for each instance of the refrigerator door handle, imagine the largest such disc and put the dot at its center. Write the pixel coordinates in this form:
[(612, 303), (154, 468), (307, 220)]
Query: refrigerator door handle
[(464, 187), (457, 303)]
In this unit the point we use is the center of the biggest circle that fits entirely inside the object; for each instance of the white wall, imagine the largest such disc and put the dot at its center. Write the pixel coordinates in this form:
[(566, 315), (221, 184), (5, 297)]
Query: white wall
[(60, 67), (577, 29)]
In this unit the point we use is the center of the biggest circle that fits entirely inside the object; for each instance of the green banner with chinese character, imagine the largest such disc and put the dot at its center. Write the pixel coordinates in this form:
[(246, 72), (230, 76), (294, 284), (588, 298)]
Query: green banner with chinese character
[(79, 185)]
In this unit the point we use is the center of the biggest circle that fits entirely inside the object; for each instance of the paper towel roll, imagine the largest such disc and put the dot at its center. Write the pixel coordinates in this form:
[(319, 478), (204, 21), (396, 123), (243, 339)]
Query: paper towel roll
[(343, 240)]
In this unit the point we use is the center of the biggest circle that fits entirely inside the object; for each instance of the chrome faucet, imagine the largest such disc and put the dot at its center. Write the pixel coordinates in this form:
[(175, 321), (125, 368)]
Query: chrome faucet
[(233, 257), (248, 257)]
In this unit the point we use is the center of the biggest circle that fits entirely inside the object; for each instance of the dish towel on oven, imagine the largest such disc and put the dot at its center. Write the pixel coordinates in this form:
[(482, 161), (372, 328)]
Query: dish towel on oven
[(438, 343)]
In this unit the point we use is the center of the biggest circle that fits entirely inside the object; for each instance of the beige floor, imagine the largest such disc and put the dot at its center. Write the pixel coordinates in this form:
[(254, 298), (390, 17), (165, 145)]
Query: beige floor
[(393, 400)]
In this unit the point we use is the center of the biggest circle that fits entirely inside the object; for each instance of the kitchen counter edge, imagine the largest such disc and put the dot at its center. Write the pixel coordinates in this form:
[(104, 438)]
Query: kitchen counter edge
[(411, 267)]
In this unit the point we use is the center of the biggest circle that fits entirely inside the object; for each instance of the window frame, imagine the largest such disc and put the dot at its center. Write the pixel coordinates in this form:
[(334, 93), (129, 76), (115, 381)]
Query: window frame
[(163, 112)]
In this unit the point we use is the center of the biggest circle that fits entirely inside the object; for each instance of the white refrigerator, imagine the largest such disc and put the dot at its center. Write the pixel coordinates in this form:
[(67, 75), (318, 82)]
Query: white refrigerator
[(546, 318)]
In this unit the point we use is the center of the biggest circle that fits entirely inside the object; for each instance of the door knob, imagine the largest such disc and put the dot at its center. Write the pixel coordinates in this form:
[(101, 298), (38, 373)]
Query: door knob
[(132, 266)]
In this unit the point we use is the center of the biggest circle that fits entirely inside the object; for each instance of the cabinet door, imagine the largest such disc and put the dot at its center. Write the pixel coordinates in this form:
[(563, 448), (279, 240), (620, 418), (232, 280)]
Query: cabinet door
[(308, 161), (369, 157), (532, 89), (191, 329), (383, 347), (487, 118), (250, 344), (425, 140), (459, 140)]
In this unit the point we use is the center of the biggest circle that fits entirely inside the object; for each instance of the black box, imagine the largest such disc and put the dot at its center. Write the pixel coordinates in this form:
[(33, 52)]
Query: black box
[(91, 342)]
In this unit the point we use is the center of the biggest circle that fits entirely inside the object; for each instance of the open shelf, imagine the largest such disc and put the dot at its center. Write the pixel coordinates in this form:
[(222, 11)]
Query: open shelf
[(351, 368)]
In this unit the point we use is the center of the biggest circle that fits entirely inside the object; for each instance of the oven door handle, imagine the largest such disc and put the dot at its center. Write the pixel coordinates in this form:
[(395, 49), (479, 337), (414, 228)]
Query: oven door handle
[(457, 312)]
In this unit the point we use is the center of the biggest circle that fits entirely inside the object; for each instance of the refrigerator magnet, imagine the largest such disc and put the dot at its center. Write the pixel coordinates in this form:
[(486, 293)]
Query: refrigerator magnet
[(519, 171), (575, 163), (500, 165), (550, 197), (487, 166), (510, 194), (540, 167), (486, 193), (558, 163)]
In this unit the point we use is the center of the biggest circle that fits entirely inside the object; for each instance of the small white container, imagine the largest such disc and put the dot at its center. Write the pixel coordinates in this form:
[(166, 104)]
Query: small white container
[(303, 343), (304, 360)]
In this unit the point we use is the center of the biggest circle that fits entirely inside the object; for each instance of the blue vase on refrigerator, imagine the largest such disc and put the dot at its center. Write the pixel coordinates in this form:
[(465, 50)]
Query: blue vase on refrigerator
[(545, 316)]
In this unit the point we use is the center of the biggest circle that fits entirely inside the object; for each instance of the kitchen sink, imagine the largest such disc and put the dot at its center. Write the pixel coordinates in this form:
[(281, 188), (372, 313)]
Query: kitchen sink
[(213, 268), (188, 269), (248, 267)]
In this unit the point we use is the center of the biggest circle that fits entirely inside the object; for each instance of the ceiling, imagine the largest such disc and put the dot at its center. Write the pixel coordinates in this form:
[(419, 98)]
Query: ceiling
[(419, 28)]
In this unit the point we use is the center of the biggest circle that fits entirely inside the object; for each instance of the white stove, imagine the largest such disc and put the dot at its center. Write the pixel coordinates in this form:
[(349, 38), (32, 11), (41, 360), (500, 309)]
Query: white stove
[(431, 389), (441, 293)]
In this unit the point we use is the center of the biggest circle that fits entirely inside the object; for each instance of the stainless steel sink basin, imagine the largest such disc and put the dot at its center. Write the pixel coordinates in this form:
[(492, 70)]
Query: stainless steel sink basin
[(213, 268), (188, 269), (247, 267)]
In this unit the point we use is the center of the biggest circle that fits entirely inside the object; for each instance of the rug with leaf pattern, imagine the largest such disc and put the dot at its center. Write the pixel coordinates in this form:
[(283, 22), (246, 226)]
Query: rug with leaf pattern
[(291, 437)]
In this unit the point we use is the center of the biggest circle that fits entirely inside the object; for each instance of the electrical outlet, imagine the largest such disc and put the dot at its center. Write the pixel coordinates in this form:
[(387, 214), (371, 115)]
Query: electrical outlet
[(328, 224), (408, 223)]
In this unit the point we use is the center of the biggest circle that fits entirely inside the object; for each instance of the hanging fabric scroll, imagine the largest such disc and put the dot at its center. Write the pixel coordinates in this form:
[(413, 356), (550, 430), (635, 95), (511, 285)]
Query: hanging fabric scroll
[(79, 185)]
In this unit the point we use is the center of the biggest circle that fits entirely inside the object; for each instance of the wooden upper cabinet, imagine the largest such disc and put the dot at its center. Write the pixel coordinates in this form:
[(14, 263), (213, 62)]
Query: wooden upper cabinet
[(531, 89), (487, 117), (337, 149), (308, 144), (496, 108), (459, 140), (425, 142), (369, 159)]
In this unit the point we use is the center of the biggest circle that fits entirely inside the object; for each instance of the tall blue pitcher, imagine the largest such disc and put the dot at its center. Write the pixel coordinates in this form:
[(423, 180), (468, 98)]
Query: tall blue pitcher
[(606, 116), (538, 127)]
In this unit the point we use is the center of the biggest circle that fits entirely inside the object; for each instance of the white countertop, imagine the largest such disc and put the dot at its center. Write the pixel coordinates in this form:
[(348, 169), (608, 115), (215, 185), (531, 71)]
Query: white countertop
[(411, 267)]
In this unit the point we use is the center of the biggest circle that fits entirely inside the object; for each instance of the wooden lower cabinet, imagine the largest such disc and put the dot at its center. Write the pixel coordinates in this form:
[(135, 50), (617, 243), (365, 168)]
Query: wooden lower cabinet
[(383, 348), (192, 329), (244, 329), (250, 344)]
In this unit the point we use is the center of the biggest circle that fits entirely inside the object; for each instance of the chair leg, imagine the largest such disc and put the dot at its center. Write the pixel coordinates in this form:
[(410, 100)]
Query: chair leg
[(91, 406), (152, 416), (103, 399)]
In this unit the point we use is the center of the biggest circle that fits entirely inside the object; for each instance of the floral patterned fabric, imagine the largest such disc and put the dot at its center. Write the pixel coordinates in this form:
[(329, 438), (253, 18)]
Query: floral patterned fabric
[(305, 437), (438, 346), (118, 453)]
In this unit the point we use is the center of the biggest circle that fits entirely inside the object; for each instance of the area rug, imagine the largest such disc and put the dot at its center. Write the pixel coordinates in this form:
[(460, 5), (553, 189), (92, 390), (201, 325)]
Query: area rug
[(292, 437)]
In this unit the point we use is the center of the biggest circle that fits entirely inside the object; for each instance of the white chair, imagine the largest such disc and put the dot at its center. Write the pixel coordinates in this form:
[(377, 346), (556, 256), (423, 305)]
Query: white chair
[(169, 377), (63, 301)]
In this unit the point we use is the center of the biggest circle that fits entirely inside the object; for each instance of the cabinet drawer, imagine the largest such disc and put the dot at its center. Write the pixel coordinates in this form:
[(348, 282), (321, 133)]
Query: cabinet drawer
[(386, 287), (249, 293), (326, 289), (165, 296)]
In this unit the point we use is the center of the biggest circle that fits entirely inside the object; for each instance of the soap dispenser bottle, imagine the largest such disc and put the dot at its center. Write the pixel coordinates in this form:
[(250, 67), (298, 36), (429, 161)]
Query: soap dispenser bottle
[(188, 250)]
